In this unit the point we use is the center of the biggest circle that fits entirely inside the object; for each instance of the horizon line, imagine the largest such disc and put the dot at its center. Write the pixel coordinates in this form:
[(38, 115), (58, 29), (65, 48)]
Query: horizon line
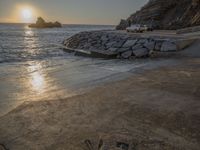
[(61, 23)]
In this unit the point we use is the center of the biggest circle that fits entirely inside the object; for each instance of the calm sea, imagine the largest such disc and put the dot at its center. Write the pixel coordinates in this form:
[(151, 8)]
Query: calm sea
[(33, 68), (20, 43)]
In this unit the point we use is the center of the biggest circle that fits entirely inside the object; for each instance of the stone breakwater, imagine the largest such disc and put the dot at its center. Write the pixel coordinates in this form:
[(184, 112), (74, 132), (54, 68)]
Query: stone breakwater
[(111, 44)]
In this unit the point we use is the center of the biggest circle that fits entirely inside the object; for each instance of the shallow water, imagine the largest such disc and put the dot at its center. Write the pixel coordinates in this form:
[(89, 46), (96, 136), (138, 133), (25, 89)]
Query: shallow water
[(32, 68)]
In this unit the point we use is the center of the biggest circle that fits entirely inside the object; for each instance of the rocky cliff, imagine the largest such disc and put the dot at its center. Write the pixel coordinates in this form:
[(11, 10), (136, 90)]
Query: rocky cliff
[(166, 14)]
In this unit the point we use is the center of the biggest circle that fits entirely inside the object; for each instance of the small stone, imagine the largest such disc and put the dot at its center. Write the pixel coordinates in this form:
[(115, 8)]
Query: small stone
[(142, 52), (168, 46), (129, 43), (127, 54)]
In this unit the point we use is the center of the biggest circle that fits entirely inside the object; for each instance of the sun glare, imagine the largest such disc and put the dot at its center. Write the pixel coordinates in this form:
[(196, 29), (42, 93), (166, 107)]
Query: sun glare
[(26, 14)]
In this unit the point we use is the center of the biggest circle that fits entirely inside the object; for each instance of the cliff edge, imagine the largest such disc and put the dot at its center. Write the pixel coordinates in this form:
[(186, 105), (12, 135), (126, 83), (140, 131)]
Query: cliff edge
[(162, 14)]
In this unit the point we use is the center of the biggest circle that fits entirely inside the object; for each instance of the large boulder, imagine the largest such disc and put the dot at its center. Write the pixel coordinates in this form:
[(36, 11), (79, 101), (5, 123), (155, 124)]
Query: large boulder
[(127, 54), (150, 45), (129, 43), (142, 52)]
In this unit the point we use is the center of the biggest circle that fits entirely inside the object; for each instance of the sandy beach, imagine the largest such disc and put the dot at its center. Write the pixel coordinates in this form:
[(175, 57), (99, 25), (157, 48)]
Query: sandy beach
[(100, 75), (153, 109)]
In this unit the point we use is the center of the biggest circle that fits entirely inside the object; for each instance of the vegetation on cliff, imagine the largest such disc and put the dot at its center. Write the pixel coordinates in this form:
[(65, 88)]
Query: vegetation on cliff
[(162, 14)]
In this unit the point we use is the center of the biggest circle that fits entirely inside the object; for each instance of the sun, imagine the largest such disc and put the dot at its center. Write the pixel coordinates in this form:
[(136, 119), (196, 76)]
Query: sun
[(26, 14)]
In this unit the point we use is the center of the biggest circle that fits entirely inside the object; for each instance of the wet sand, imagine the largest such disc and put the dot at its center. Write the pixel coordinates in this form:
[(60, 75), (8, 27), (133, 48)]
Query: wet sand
[(55, 79), (157, 109)]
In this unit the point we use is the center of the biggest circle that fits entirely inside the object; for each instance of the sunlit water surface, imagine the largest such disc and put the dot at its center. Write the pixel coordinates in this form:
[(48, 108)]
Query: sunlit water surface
[(33, 67)]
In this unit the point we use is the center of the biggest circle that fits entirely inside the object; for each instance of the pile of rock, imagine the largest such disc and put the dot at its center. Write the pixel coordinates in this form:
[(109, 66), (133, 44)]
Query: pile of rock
[(121, 45)]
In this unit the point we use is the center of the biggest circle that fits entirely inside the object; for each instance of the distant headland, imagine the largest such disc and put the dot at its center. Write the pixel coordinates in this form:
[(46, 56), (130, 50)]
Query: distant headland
[(41, 23)]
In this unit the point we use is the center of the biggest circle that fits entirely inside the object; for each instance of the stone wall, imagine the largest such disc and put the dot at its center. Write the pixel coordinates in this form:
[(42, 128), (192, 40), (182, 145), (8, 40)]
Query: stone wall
[(122, 45)]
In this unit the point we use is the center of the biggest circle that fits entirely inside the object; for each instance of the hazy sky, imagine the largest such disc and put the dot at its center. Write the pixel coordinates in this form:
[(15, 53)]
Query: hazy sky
[(70, 11)]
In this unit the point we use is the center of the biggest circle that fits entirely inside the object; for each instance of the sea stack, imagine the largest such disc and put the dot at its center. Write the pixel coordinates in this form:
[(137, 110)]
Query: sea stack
[(41, 23)]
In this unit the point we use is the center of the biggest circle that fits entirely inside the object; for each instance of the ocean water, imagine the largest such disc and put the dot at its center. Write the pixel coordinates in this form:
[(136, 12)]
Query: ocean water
[(18, 43), (34, 68)]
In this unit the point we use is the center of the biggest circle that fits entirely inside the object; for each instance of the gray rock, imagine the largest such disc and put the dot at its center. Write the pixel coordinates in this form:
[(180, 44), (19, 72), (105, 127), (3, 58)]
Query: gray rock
[(121, 50), (90, 40), (168, 46), (129, 43), (104, 38), (158, 46), (98, 45), (142, 52), (87, 46), (127, 54), (108, 45), (118, 44), (142, 41), (93, 42), (137, 46), (150, 45), (112, 49)]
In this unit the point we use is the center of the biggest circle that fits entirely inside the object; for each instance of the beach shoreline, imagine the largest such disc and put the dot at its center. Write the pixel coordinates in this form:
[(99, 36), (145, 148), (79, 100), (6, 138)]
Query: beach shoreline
[(156, 108)]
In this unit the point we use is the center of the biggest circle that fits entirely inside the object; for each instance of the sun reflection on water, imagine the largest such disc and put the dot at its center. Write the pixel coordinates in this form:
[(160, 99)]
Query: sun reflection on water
[(37, 79), (28, 32), (36, 75), (30, 41)]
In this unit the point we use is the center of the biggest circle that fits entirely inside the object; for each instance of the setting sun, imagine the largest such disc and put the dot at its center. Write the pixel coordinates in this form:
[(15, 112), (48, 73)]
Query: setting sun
[(26, 14)]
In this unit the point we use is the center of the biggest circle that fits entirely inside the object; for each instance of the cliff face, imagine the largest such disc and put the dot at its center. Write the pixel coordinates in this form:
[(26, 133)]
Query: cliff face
[(166, 14)]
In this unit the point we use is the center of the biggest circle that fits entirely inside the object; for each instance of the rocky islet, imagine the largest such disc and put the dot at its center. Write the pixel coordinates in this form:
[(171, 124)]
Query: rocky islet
[(41, 23)]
